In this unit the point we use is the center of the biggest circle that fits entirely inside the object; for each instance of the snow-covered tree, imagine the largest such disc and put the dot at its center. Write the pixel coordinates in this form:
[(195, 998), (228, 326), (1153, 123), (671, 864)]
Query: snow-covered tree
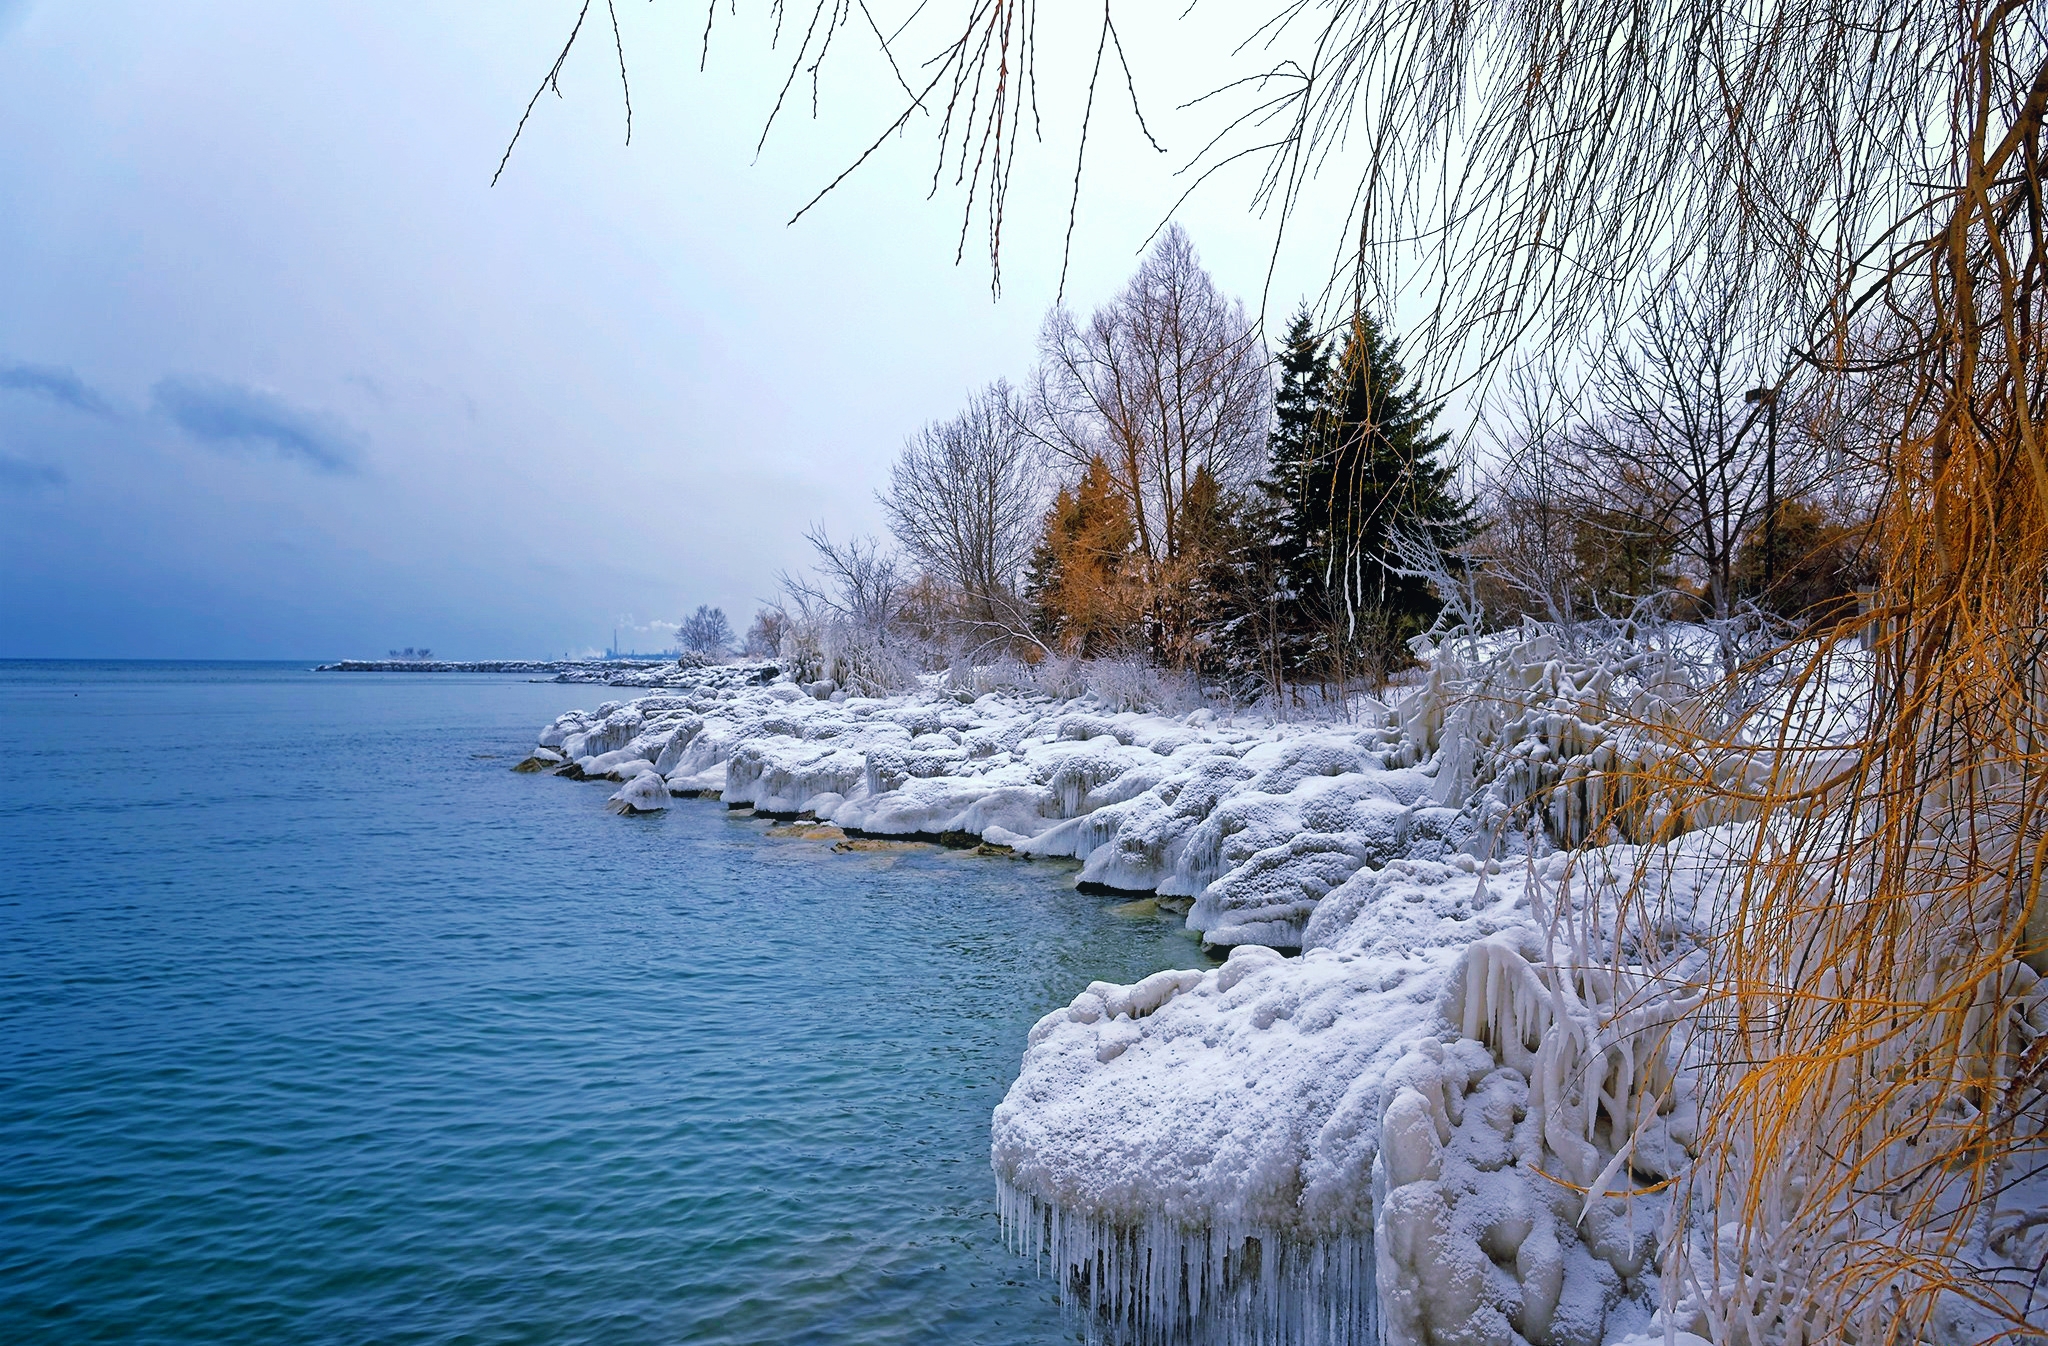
[(706, 631), (964, 500)]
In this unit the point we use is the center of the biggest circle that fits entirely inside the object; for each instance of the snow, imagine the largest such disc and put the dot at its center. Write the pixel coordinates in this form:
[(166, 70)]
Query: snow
[(1418, 1083), (1438, 1089), (1148, 803)]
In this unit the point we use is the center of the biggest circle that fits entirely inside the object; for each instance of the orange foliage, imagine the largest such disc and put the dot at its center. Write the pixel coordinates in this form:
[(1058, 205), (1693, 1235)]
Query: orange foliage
[(1090, 601)]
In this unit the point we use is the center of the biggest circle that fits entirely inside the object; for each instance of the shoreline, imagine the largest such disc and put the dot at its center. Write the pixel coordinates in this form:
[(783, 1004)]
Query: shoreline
[(1399, 1087), (1212, 1111), (560, 667), (1026, 774)]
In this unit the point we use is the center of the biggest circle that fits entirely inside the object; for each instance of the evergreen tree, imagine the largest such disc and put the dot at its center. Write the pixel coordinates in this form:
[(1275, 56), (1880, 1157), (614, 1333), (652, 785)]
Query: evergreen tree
[(1302, 582), (1300, 416), (1267, 625), (1380, 474), (1083, 600), (1354, 458), (1197, 587), (1248, 633)]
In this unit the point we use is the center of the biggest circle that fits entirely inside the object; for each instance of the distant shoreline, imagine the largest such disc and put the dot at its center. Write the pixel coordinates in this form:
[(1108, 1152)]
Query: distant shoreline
[(493, 665)]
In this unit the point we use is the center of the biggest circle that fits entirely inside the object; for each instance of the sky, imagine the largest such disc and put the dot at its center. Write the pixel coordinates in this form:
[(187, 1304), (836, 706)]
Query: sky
[(282, 375)]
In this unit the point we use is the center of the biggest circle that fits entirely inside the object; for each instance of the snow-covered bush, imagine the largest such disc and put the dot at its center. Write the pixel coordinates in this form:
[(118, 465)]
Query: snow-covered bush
[(860, 661)]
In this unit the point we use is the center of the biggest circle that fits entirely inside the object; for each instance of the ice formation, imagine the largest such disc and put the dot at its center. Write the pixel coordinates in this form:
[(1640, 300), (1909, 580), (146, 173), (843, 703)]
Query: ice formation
[(1438, 1090), (1421, 1087), (1252, 823)]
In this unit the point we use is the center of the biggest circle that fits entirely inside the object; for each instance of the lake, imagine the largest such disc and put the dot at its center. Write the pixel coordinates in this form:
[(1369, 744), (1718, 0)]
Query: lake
[(318, 1024)]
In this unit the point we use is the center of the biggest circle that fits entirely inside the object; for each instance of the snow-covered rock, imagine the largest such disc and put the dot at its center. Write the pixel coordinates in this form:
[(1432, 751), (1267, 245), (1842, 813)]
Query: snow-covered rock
[(646, 792), (1254, 823), (1421, 1091), (1439, 1090)]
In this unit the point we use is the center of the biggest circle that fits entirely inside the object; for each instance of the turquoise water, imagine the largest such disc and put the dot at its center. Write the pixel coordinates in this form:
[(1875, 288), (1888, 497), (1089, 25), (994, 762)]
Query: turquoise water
[(317, 1024)]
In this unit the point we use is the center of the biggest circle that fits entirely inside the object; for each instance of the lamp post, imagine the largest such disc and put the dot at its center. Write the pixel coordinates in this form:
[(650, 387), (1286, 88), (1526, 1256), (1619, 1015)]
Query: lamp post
[(1769, 397)]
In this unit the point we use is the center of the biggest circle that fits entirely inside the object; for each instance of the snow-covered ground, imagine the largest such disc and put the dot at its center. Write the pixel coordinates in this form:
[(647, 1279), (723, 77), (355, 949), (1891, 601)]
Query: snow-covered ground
[(1438, 1090)]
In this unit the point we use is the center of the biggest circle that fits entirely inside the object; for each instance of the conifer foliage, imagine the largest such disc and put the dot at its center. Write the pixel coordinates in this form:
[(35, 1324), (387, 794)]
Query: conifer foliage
[(1355, 462), (1382, 475), (1084, 593)]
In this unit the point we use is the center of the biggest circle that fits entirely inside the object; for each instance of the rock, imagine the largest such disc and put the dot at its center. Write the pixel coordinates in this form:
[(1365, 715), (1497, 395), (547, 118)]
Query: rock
[(878, 844), (807, 832), (645, 793)]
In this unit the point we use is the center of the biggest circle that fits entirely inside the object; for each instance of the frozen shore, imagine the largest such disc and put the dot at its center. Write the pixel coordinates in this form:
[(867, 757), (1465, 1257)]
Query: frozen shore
[(1437, 1093), (1250, 824)]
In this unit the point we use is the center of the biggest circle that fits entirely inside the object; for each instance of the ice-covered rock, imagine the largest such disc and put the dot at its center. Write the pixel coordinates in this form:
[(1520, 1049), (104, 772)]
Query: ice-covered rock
[(1422, 1088), (646, 792), (1252, 822), (540, 759)]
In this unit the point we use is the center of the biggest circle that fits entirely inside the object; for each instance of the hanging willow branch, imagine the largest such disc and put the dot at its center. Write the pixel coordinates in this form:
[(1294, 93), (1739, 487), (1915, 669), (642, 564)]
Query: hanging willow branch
[(981, 80)]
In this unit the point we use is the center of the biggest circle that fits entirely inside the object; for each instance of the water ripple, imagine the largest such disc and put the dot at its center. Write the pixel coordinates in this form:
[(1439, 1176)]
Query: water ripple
[(316, 1027)]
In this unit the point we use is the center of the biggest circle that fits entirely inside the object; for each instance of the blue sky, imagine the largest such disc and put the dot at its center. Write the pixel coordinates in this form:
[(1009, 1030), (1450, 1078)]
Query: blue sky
[(281, 375)]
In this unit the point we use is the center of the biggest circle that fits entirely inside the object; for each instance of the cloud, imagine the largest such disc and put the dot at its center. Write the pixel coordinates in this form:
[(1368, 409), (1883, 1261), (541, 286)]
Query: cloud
[(231, 414), (59, 385), (19, 474)]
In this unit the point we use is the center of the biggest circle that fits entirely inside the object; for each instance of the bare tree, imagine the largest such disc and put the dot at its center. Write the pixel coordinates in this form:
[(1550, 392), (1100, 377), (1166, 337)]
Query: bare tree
[(1567, 539), (764, 637), (706, 631), (1166, 385), (843, 615), (1676, 429), (964, 500), (857, 582)]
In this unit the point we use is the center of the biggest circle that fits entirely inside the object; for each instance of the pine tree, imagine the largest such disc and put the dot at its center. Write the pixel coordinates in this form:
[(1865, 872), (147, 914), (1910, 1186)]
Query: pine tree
[(1354, 457), (1300, 414), (1303, 584), (1379, 473), (1247, 626), (1270, 620)]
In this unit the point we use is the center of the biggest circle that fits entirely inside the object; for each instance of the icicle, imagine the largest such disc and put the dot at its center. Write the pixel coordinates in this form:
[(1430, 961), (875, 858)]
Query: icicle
[(1231, 1286)]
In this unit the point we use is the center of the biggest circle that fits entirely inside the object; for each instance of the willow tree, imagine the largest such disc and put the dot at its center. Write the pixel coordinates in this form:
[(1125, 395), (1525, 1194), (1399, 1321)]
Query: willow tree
[(1526, 174)]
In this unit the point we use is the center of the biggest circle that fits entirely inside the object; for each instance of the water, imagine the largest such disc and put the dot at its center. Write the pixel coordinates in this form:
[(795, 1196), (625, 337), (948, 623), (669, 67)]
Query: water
[(318, 1024)]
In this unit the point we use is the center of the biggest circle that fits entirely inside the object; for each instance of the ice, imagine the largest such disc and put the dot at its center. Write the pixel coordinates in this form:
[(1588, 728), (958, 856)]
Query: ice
[(1438, 1090), (645, 793)]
